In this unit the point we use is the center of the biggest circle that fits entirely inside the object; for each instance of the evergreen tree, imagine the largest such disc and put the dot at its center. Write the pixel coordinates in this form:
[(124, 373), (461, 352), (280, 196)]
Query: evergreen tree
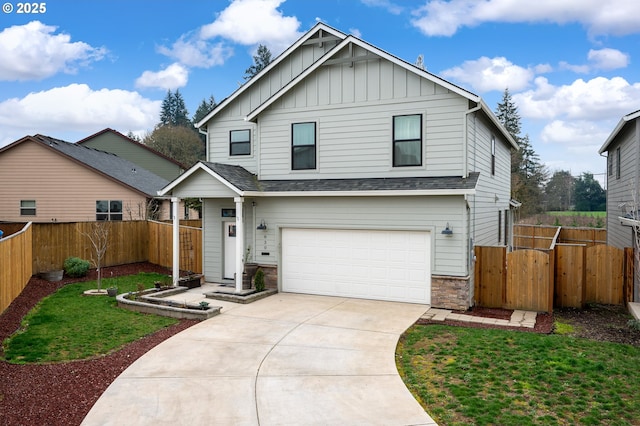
[(205, 107), (173, 111), (177, 142), (527, 173), (260, 62), (589, 194)]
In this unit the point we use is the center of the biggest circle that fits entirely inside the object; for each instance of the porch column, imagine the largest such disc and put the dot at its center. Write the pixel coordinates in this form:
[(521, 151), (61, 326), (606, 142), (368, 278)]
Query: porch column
[(239, 242), (175, 208)]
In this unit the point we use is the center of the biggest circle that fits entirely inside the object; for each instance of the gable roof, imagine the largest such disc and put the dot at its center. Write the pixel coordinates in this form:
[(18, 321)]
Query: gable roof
[(319, 27), (621, 125), (245, 183), (109, 165), (132, 141)]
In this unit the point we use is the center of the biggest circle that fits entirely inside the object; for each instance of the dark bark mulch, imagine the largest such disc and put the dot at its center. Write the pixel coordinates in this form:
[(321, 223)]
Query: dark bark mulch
[(63, 393)]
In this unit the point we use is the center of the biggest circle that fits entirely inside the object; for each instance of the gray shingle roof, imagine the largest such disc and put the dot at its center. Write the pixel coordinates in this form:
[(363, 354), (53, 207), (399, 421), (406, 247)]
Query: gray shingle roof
[(247, 181), (111, 165)]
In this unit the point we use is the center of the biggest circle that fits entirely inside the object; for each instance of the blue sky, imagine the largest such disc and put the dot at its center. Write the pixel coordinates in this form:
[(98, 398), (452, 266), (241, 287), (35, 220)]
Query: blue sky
[(572, 66)]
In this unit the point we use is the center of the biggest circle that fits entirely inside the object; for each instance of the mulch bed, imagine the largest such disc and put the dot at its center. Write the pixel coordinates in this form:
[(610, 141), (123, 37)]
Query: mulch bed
[(63, 393), (544, 322)]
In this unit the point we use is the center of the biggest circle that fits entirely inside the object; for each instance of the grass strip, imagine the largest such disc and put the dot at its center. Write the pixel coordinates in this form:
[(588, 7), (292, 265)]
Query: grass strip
[(68, 326), (467, 376)]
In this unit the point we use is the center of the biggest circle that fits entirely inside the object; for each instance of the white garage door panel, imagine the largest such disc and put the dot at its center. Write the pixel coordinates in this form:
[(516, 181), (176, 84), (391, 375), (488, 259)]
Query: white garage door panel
[(383, 265)]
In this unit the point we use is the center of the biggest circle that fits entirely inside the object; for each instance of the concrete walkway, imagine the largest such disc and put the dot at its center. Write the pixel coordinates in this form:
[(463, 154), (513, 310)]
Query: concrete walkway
[(518, 318), (285, 360)]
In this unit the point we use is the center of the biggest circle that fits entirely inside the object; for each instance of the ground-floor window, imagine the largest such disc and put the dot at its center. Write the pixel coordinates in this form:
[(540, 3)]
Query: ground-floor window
[(27, 207), (109, 210)]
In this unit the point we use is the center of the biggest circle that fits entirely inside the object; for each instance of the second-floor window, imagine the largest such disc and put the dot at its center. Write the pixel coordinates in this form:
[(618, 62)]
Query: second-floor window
[(303, 146), (108, 210), (240, 142), (407, 140)]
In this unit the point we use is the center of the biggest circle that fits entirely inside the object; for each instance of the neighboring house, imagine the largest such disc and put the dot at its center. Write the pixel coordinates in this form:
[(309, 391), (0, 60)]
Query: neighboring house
[(622, 148), (112, 141), (354, 174), (46, 179), (109, 140)]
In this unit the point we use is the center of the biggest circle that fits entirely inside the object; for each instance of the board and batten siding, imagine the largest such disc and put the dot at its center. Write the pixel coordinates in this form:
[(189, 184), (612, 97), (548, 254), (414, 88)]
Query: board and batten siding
[(492, 191), (449, 253), (620, 190)]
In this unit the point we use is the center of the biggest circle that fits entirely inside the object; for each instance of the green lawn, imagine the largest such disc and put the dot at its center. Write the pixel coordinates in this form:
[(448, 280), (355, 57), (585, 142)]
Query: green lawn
[(574, 213), (467, 376), (68, 325)]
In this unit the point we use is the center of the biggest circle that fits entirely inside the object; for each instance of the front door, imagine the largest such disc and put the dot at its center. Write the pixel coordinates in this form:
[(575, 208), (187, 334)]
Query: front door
[(229, 250)]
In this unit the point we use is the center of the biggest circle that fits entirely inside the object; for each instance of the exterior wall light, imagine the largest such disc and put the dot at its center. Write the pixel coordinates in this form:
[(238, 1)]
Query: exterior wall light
[(448, 230), (262, 226)]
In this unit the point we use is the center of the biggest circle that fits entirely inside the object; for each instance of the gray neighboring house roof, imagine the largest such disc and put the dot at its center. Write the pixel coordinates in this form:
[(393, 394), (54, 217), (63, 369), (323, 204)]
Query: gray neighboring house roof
[(624, 121), (246, 181), (108, 164)]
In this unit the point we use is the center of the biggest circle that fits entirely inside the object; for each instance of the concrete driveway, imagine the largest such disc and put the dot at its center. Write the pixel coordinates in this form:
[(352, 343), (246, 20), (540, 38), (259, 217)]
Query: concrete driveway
[(289, 359)]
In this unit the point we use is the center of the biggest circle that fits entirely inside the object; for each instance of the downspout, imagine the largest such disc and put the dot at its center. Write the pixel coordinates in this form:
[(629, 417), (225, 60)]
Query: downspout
[(475, 157), (175, 204)]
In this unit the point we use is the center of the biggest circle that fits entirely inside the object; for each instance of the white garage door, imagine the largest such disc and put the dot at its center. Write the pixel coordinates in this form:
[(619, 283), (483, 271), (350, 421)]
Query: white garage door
[(382, 265)]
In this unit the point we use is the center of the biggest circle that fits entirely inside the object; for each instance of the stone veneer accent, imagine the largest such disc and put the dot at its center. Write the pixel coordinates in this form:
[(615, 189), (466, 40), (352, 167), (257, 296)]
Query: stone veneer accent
[(450, 292)]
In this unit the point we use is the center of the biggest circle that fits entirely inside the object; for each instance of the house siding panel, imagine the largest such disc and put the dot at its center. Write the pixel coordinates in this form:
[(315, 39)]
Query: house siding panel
[(69, 192), (620, 190)]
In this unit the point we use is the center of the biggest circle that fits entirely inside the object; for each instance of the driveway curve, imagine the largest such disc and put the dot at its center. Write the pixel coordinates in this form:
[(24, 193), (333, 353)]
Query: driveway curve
[(289, 359)]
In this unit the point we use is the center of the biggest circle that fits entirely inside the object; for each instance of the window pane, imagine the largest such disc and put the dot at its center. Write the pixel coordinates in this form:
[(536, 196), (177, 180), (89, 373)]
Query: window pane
[(406, 127), (304, 157), (240, 135), (243, 148), (102, 216), (28, 203), (116, 216), (102, 207), (304, 134), (116, 207), (27, 207), (407, 153)]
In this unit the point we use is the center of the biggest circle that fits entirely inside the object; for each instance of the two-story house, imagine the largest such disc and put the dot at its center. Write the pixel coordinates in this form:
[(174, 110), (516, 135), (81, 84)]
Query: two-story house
[(354, 173)]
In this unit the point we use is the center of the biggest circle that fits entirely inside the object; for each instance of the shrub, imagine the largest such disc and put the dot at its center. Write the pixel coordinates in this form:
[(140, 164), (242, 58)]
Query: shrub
[(76, 267), (259, 280)]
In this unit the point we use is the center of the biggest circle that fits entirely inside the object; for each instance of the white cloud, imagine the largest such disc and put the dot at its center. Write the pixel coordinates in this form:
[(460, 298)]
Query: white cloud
[(597, 99), (601, 59), (445, 18), (486, 74), (577, 135), (194, 52), (33, 52), (355, 32), (76, 108), (251, 22), (608, 59), (170, 78)]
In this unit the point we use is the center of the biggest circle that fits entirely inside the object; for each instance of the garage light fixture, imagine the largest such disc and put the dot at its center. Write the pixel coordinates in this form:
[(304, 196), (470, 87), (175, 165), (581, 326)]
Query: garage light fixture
[(448, 230), (262, 226)]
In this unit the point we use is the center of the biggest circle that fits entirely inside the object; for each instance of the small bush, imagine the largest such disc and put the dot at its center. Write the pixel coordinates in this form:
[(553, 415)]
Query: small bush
[(76, 267), (634, 324), (259, 280)]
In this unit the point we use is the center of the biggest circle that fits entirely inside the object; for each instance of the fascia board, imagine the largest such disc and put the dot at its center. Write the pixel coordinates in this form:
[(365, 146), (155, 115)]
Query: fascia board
[(498, 124), (273, 64), (381, 193), (191, 171), (623, 121)]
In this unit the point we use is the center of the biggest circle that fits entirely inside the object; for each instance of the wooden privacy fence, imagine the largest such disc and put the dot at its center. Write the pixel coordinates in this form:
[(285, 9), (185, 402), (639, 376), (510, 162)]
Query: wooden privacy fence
[(15, 265), (544, 237), (42, 247), (569, 275), (161, 246)]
